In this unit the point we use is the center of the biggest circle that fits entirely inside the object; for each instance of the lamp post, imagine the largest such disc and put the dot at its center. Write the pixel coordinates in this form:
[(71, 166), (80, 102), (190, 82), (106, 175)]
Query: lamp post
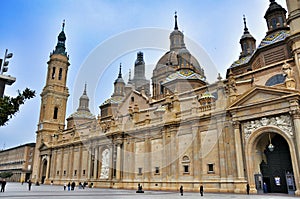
[(271, 146), (5, 79)]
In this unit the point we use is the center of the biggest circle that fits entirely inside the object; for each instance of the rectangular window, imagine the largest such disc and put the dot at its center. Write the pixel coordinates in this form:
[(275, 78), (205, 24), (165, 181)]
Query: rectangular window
[(57, 172), (65, 172), (55, 113), (60, 74), (140, 171), (156, 170), (83, 172), (210, 168), (53, 73), (186, 169), (75, 172)]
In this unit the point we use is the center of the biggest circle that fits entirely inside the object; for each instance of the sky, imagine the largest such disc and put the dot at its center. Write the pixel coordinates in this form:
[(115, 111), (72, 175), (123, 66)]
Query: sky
[(117, 30)]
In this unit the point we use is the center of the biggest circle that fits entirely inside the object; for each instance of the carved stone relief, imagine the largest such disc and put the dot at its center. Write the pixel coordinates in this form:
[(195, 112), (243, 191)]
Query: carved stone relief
[(283, 122), (105, 164)]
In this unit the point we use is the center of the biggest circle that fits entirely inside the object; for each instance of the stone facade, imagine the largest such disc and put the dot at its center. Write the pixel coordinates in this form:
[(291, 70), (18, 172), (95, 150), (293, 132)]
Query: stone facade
[(18, 160), (188, 132)]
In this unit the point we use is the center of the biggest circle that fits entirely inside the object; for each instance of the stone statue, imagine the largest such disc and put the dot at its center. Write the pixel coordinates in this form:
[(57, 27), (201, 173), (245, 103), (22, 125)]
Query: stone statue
[(105, 164)]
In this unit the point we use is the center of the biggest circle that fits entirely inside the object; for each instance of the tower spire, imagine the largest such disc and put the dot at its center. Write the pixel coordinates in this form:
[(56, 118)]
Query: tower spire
[(84, 92), (63, 25), (61, 39), (120, 71), (176, 26), (245, 25)]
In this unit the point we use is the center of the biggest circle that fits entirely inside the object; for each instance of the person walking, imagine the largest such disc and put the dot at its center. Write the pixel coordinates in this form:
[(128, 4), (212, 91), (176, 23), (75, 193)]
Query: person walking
[(181, 190), (69, 186), (29, 185), (73, 186), (248, 189), (3, 185), (201, 190), (65, 186)]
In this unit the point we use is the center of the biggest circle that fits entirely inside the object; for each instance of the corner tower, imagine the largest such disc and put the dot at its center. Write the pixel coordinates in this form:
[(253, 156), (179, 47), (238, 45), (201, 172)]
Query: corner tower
[(247, 41), (294, 23), (53, 103), (139, 79)]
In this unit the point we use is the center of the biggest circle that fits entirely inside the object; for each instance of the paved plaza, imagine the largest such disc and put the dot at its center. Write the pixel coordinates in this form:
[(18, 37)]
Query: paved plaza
[(16, 190)]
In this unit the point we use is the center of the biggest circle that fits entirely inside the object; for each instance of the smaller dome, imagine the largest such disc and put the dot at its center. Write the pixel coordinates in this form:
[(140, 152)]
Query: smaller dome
[(274, 7), (119, 80), (82, 115)]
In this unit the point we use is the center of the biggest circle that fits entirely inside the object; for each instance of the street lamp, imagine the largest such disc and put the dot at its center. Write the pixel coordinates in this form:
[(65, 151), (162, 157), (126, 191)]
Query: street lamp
[(4, 67), (271, 146), (5, 79)]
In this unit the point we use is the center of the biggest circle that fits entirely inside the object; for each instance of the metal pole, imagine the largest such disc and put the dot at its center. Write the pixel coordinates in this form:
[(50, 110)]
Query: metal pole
[(4, 61)]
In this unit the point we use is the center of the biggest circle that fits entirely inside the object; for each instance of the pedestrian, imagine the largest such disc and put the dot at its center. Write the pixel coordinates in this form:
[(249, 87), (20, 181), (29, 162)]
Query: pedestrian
[(3, 183), (73, 186), (265, 187), (181, 190), (201, 190), (69, 186), (248, 189), (65, 186), (29, 185)]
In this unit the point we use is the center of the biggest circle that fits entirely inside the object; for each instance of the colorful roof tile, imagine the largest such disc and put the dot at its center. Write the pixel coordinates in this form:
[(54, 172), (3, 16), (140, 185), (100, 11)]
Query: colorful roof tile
[(274, 37), (241, 61), (185, 74), (113, 100)]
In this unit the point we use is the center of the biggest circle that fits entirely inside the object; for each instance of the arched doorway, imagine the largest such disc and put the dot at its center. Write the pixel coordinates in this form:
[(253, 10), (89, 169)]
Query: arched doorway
[(264, 165), (277, 165), (44, 170)]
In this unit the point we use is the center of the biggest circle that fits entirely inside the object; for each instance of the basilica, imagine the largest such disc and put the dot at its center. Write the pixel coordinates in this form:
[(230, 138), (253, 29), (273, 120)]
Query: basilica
[(177, 129)]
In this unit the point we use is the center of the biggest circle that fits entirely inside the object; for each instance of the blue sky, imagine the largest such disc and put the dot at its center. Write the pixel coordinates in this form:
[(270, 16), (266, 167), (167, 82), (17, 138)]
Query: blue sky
[(30, 28)]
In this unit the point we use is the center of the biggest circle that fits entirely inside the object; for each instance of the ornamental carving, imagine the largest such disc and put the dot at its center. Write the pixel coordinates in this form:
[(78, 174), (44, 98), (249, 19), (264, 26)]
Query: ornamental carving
[(105, 164), (283, 122)]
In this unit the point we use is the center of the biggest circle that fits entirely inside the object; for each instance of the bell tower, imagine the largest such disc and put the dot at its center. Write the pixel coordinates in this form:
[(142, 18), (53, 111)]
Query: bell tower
[(53, 103), (294, 23), (55, 93)]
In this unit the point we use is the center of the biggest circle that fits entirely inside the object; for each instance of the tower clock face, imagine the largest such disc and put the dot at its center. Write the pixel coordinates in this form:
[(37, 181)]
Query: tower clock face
[(41, 126)]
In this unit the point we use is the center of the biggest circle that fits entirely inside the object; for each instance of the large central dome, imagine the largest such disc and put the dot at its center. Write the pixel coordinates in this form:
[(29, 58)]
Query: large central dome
[(176, 59)]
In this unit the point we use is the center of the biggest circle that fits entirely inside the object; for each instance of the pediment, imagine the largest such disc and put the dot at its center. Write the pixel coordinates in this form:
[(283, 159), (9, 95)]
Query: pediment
[(43, 146), (262, 94)]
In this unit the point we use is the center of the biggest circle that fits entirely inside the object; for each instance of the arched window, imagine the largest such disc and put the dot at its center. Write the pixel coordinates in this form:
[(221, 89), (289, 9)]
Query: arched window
[(53, 73), (60, 74), (161, 88), (186, 164), (274, 23), (55, 113), (276, 79)]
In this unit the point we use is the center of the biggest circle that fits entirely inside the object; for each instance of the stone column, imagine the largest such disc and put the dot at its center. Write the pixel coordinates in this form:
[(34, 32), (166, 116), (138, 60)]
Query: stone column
[(222, 157), (71, 162), (147, 159), (197, 159), (62, 164), (238, 150), (89, 172), (96, 163), (48, 167), (296, 120), (118, 163), (80, 161)]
